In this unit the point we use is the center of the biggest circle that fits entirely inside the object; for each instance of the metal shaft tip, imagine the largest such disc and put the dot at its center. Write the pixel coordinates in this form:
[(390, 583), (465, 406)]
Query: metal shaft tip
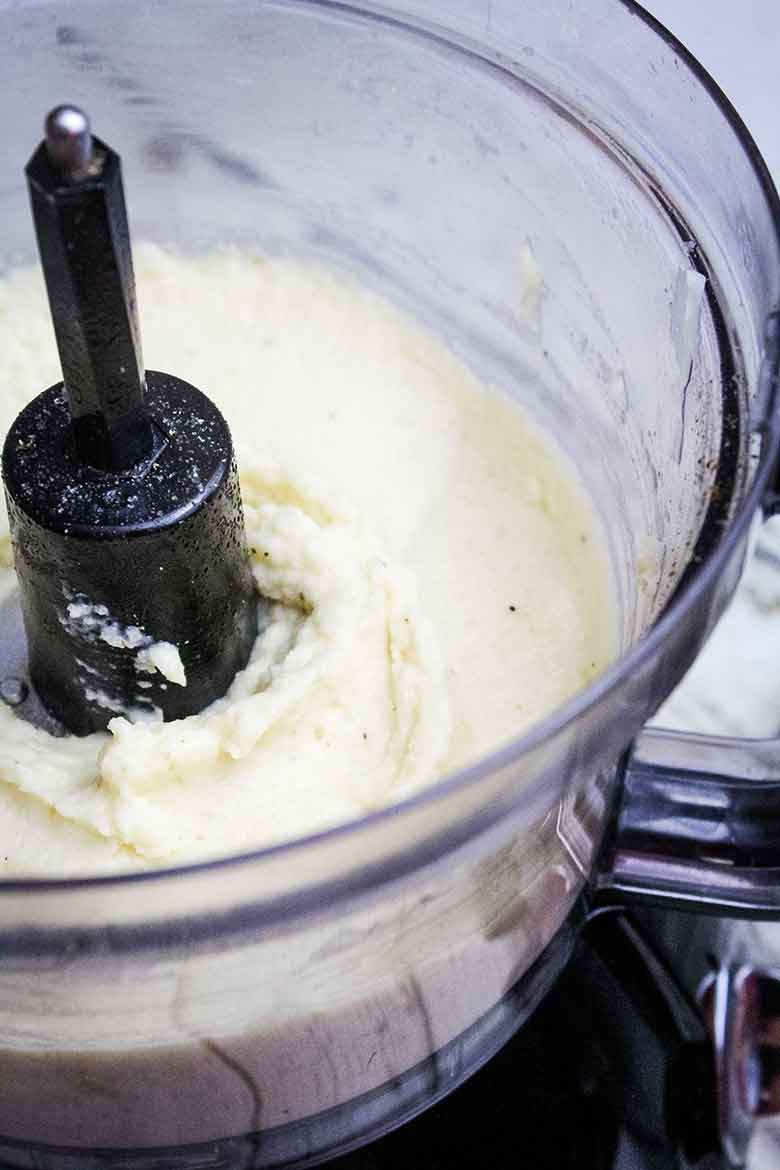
[(69, 141)]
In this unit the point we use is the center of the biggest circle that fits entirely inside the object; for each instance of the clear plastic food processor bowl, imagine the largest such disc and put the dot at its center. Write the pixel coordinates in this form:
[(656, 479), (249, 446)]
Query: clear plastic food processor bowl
[(276, 1008)]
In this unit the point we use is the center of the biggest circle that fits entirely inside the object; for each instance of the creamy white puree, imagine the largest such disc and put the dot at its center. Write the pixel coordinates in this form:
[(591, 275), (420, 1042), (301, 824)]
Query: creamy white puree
[(436, 578)]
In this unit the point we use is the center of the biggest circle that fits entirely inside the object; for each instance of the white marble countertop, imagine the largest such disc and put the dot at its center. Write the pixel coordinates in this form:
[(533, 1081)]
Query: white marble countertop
[(740, 46)]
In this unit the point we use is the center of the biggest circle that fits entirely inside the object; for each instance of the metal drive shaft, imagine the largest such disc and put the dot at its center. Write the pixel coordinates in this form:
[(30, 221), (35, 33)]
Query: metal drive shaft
[(78, 205)]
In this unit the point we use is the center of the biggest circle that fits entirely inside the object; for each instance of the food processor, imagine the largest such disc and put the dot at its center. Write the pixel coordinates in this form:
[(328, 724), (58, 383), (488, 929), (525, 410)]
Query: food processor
[(564, 196)]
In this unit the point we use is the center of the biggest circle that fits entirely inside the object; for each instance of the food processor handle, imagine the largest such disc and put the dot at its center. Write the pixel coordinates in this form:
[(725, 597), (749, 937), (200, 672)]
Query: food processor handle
[(696, 827)]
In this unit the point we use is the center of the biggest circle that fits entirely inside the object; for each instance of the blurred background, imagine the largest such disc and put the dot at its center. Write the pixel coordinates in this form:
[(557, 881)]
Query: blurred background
[(734, 687)]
